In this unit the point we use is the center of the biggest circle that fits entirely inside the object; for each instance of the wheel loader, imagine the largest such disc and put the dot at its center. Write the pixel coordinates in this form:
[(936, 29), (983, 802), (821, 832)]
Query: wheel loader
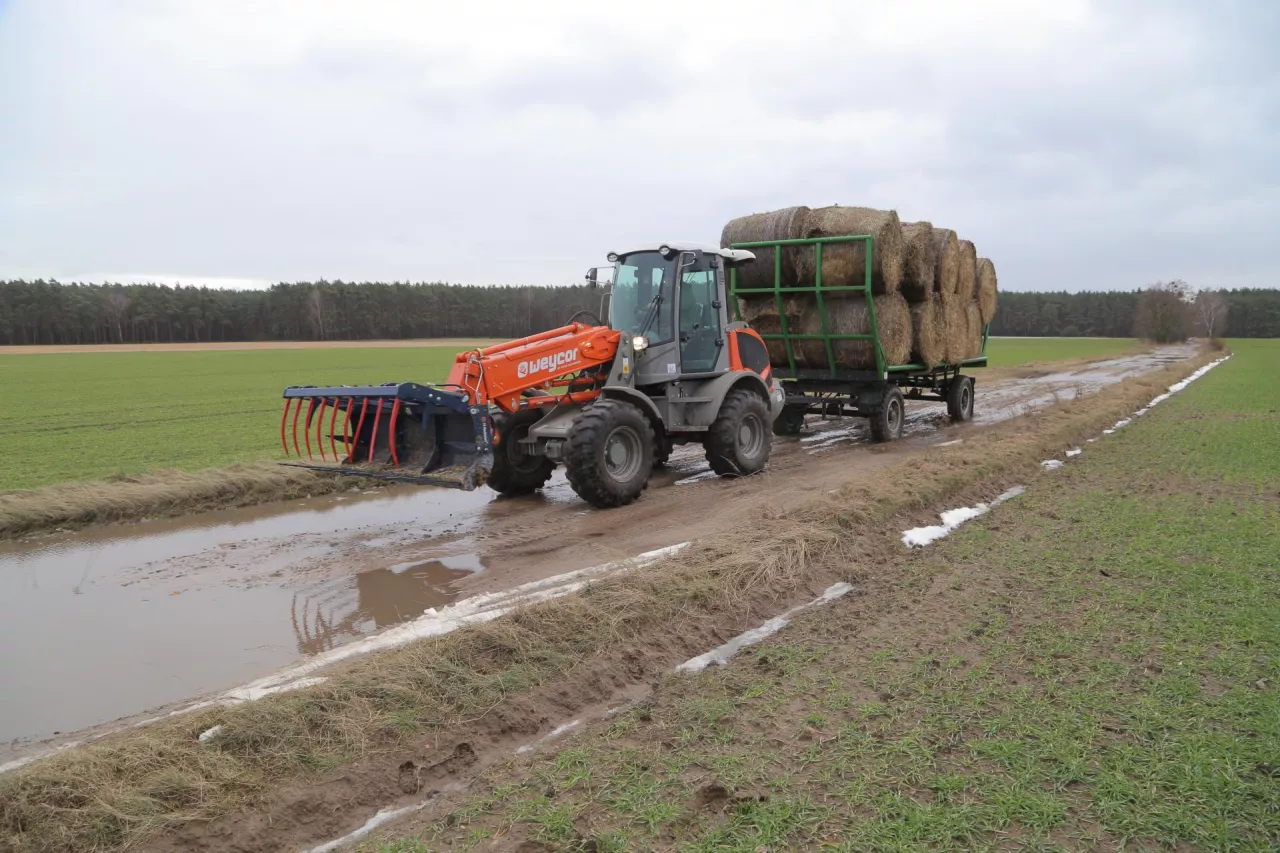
[(606, 399)]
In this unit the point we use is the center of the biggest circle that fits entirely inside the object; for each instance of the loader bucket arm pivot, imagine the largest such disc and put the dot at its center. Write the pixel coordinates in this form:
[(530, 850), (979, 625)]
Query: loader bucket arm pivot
[(428, 436)]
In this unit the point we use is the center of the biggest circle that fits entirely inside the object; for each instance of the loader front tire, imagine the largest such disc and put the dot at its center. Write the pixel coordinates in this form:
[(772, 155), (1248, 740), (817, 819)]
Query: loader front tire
[(608, 456), (515, 471), (738, 442)]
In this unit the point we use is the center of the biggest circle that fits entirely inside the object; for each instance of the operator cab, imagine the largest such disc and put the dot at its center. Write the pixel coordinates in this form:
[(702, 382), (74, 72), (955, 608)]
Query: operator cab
[(671, 299)]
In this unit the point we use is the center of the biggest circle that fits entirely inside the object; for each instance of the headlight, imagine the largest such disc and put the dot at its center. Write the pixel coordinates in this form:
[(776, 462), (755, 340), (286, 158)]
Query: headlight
[(639, 343), (612, 257)]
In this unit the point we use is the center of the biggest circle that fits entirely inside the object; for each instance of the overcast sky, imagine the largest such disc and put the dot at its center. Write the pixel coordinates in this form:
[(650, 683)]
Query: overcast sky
[(1080, 145)]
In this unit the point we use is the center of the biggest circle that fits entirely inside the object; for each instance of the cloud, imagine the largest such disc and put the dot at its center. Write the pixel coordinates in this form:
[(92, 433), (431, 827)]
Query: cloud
[(1079, 144)]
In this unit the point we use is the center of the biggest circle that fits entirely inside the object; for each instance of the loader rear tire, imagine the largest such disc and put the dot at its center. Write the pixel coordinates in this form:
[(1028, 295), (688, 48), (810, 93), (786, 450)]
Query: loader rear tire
[(738, 442), (608, 456), (516, 472)]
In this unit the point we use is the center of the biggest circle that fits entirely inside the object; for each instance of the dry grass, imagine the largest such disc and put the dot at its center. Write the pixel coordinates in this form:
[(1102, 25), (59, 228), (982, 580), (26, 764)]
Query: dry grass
[(114, 794), (162, 494), (919, 276)]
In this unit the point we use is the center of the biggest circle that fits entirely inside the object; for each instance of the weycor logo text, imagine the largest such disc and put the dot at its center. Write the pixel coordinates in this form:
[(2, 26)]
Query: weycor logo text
[(547, 363)]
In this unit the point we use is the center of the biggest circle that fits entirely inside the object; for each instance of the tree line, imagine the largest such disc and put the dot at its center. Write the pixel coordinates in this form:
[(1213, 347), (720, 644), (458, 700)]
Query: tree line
[(50, 312)]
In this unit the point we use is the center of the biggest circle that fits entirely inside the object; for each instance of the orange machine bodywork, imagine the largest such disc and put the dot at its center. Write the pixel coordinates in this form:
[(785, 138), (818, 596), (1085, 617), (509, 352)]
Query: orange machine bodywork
[(549, 360)]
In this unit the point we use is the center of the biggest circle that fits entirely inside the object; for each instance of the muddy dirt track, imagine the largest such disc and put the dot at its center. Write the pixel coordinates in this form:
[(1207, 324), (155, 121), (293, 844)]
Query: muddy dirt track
[(113, 622)]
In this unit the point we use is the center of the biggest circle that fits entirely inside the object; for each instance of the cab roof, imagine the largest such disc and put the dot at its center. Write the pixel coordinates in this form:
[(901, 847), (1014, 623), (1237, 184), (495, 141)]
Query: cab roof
[(731, 256)]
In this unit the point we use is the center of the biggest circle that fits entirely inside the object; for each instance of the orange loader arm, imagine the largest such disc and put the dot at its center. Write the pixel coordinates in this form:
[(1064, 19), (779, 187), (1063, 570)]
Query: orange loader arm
[(549, 360)]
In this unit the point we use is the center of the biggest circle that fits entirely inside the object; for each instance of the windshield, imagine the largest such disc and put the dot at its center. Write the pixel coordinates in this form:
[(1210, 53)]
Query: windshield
[(640, 277)]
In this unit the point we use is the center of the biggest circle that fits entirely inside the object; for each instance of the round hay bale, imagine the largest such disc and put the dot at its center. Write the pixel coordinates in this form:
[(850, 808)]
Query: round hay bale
[(785, 224), (928, 332), (967, 273), (946, 262), (762, 313), (844, 264), (850, 317), (955, 324), (986, 289), (973, 328), (919, 277), (844, 317)]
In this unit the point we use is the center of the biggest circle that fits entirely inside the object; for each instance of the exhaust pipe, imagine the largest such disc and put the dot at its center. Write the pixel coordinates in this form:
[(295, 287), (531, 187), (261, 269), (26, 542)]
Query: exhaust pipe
[(400, 431)]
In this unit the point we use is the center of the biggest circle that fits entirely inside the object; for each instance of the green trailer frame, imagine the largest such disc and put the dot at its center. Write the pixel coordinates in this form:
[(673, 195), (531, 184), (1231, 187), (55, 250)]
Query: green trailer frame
[(852, 391)]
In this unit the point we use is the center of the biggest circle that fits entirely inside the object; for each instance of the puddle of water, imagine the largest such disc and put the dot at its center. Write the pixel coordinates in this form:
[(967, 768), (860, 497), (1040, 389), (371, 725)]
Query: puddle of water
[(91, 637)]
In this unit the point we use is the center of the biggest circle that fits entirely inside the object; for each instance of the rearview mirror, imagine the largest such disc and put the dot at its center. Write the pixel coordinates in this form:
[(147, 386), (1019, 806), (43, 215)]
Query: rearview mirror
[(593, 277)]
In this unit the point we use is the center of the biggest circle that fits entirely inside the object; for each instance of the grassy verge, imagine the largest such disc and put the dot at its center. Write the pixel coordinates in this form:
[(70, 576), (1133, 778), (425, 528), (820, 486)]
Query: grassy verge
[(1010, 352), (1093, 665), (118, 792)]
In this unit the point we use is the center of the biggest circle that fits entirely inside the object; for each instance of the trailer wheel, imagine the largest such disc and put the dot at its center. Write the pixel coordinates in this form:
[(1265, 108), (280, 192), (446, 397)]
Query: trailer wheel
[(886, 424), (789, 422), (609, 453), (738, 442), (515, 471), (960, 399)]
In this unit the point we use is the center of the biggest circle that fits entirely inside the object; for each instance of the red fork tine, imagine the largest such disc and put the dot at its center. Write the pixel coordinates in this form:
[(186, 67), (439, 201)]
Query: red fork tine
[(364, 407), (297, 411), (306, 427), (324, 401), (391, 432), (346, 423), (373, 439), (333, 416), (288, 401)]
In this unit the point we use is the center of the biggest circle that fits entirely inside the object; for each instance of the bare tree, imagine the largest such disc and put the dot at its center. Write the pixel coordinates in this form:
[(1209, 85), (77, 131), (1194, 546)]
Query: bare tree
[(1211, 312), (1163, 312), (116, 303)]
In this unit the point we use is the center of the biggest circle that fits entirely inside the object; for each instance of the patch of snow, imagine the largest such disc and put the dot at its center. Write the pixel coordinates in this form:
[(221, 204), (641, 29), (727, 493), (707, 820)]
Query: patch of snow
[(23, 762), (918, 537), (370, 825), (722, 654), (1051, 464), (209, 734), (252, 693), (1075, 452), (697, 478), (949, 443), (558, 731), (476, 610)]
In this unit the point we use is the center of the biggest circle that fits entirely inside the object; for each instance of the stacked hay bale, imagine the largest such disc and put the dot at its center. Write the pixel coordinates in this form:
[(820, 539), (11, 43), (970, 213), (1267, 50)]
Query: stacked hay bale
[(933, 296), (843, 265)]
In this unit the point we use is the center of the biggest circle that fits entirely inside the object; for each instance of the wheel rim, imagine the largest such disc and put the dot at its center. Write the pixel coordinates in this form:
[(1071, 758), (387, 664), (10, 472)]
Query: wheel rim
[(966, 400), (895, 416), (622, 453), (520, 461), (750, 436)]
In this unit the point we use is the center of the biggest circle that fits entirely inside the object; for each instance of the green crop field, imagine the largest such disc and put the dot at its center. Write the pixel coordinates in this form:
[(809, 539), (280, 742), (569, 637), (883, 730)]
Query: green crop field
[(1009, 352), (86, 416), (1091, 666)]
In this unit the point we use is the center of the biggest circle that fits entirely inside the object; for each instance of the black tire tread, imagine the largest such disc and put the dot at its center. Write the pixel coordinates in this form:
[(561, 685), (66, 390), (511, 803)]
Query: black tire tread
[(508, 481), (879, 422), (722, 438), (581, 459)]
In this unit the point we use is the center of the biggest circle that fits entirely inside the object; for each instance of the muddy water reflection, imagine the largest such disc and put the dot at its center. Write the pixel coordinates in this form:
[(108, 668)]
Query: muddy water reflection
[(102, 624), (327, 616)]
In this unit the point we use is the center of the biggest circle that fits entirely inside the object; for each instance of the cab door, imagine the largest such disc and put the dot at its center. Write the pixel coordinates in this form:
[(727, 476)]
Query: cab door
[(701, 335)]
